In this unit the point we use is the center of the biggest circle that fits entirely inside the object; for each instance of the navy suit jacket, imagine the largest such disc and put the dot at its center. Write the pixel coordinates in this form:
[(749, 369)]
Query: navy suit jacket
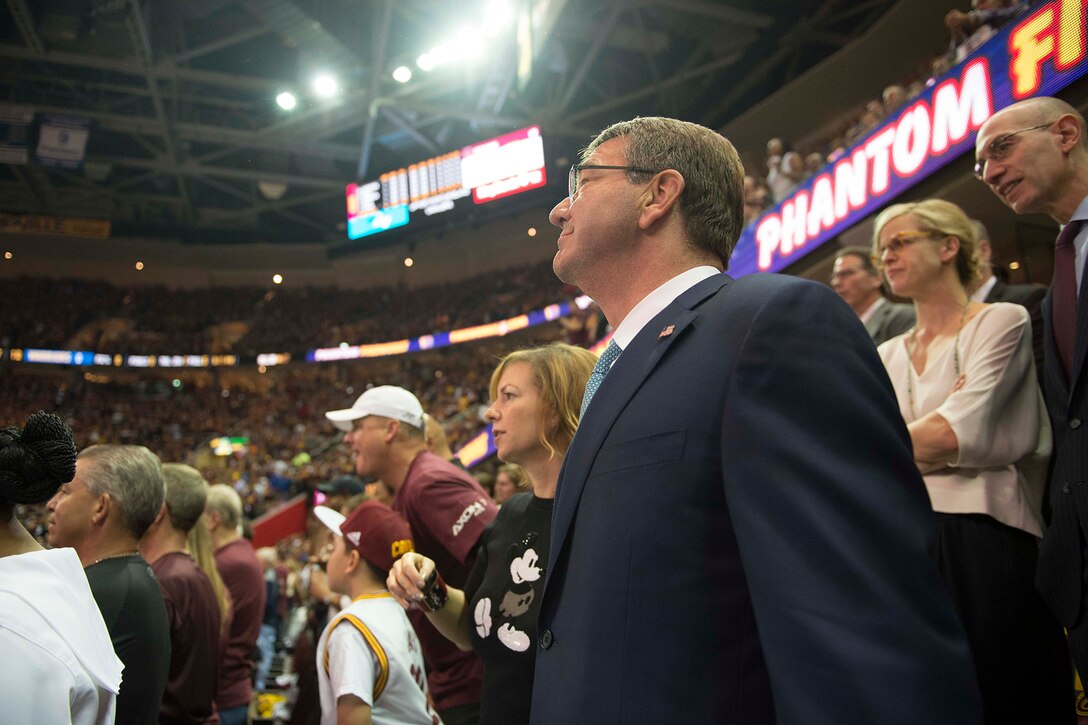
[(1061, 572), (1030, 297), (740, 534)]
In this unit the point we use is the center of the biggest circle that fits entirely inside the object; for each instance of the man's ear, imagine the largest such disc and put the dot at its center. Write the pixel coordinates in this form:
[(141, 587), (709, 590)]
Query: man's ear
[(101, 509), (163, 513), (391, 430), (663, 194), (1070, 133), (353, 561)]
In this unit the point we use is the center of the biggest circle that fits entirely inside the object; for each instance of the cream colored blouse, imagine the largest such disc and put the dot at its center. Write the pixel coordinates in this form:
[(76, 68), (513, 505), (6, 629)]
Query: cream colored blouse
[(998, 416)]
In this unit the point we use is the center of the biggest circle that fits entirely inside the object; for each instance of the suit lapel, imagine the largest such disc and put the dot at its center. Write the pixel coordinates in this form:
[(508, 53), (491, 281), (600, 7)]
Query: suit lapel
[(1054, 377), (1080, 337), (876, 322), (629, 371), (997, 292)]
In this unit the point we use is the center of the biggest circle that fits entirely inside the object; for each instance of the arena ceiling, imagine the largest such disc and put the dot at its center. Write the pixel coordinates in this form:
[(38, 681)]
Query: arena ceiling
[(188, 142)]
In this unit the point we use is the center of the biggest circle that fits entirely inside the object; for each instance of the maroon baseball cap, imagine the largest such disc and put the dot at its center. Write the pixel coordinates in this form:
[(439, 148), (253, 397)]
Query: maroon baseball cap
[(377, 532)]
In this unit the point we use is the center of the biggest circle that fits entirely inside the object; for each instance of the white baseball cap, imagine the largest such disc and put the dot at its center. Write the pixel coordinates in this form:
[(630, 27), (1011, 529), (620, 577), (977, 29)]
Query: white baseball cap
[(388, 401)]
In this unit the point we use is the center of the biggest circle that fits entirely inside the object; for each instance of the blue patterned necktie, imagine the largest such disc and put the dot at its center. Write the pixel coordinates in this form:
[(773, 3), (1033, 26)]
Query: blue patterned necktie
[(604, 364)]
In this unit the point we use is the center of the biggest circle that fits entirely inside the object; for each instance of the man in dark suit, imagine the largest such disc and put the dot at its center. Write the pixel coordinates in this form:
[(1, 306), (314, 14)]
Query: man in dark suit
[(992, 286), (740, 534), (857, 281), (1034, 156)]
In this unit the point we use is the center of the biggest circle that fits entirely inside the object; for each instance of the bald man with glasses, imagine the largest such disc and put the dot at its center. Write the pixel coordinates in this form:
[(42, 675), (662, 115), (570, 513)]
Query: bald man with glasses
[(1033, 156)]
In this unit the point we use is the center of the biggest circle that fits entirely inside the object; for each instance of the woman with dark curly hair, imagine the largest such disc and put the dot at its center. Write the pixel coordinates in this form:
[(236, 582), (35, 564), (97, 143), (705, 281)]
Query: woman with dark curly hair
[(58, 663)]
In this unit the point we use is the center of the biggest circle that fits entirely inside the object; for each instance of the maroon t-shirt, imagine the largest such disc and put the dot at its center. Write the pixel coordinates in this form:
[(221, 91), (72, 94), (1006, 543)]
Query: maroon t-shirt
[(193, 615), (447, 511), (242, 574)]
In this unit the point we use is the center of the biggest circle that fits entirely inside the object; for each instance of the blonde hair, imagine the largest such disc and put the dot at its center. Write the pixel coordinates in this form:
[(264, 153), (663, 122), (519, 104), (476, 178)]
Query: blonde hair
[(561, 372), (941, 218), (200, 548)]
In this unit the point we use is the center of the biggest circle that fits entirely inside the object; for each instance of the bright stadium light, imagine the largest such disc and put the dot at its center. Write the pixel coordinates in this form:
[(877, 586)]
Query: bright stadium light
[(286, 101), (497, 17), (425, 62), (402, 74), (325, 85), (277, 279)]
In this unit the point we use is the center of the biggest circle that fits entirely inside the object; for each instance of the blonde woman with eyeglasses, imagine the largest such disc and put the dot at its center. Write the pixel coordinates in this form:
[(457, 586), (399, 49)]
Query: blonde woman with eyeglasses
[(964, 377)]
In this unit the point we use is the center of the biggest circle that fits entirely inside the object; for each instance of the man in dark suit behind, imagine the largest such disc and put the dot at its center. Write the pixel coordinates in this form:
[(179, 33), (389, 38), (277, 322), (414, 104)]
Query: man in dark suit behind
[(740, 534), (993, 286), (857, 281), (1034, 156)]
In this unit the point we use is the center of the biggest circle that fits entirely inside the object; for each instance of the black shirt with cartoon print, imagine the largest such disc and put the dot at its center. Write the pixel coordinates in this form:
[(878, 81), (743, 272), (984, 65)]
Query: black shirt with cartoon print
[(503, 594)]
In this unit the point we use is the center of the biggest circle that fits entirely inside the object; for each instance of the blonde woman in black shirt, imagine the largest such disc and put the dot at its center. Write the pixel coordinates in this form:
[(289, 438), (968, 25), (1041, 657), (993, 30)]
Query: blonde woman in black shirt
[(536, 395)]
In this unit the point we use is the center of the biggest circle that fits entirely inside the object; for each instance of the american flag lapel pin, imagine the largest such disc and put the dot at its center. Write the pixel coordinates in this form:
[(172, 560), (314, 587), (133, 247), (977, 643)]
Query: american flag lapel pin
[(665, 332)]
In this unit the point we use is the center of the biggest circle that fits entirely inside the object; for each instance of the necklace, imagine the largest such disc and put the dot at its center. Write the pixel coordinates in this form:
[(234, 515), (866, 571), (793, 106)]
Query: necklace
[(115, 556), (955, 353)]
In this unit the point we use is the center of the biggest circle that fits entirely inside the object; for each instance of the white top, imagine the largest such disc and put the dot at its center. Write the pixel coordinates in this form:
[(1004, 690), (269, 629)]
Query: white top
[(652, 304), (57, 663), (371, 651), (997, 415)]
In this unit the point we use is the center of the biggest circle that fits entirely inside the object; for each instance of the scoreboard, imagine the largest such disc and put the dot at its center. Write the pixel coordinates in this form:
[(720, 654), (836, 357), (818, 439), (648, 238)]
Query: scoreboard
[(489, 170)]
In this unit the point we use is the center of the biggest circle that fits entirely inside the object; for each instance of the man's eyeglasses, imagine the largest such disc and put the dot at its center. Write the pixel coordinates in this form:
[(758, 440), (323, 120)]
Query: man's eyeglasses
[(577, 169), (844, 273), (897, 243), (1000, 148)]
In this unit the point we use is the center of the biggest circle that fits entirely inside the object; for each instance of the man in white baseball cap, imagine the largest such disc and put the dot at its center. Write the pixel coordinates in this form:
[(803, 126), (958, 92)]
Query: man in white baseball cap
[(447, 511), (387, 401)]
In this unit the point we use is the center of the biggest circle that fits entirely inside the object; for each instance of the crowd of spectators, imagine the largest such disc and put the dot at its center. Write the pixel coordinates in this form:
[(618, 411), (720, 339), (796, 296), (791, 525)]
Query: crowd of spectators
[(154, 319), (784, 169), (291, 447)]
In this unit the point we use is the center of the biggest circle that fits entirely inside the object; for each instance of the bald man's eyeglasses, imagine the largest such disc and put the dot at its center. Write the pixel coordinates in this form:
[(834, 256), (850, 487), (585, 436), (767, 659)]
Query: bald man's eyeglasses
[(1000, 148)]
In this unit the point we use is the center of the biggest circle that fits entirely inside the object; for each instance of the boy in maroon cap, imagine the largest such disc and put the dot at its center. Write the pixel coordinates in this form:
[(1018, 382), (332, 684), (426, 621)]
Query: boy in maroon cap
[(369, 661)]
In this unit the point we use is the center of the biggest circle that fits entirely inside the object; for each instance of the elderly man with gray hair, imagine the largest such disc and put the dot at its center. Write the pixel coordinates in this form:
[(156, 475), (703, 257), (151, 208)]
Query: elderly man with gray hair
[(241, 572), (102, 513)]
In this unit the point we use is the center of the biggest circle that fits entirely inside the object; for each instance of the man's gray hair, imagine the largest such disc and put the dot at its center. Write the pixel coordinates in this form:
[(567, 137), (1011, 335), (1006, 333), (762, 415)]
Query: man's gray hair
[(712, 202), (132, 476), (225, 501)]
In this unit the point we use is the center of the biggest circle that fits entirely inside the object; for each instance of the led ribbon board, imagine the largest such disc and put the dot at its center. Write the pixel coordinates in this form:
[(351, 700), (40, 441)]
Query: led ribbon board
[(489, 170), (1039, 53)]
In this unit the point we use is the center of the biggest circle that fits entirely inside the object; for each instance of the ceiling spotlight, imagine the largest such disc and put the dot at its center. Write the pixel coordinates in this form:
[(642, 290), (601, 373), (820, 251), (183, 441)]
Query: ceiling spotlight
[(425, 62), (532, 231), (7, 255), (139, 265), (325, 86), (1014, 265), (402, 74), (286, 101), (497, 17), (408, 261), (277, 279)]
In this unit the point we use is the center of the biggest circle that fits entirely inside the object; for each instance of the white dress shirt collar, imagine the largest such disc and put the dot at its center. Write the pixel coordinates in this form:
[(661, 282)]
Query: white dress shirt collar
[(658, 300), (1080, 242), (871, 310), (983, 292)]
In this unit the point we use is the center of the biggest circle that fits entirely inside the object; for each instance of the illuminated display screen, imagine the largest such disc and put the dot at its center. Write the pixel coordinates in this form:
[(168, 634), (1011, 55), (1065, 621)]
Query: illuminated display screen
[(1037, 54), (489, 170)]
